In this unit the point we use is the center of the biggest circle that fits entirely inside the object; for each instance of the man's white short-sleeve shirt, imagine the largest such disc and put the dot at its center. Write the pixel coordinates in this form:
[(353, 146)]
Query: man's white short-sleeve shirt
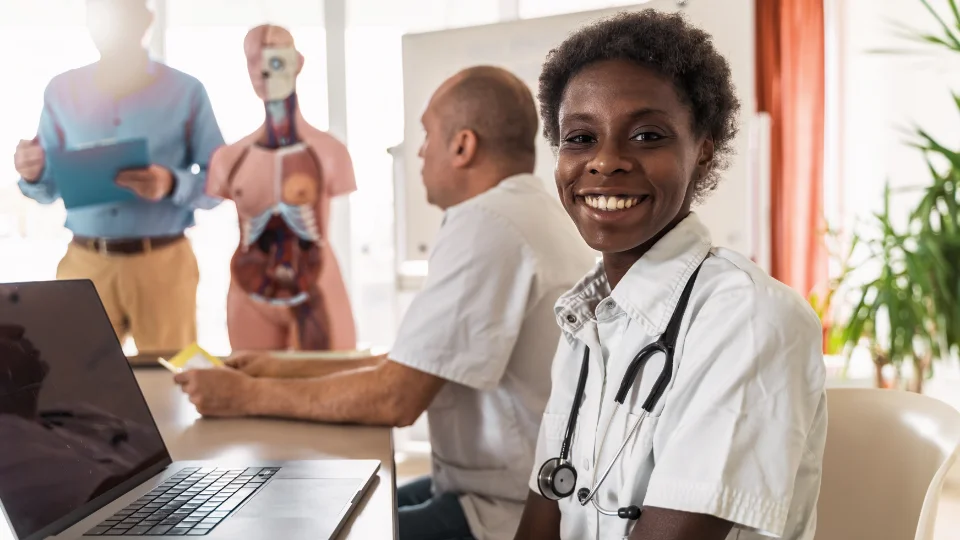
[(484, 321)]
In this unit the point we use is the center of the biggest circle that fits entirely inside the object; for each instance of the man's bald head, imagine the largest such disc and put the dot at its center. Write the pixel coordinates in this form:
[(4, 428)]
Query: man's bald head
[(494, 104), (479, 128)]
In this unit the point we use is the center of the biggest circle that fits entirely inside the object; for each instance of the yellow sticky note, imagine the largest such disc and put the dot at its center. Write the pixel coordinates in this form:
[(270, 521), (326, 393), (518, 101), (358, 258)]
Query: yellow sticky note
[(193, 357)]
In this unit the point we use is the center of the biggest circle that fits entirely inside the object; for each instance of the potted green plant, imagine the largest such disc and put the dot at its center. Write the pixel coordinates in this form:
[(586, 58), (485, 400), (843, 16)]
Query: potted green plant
[(935, 222), (936, 229), (890, 314), (908, 309)]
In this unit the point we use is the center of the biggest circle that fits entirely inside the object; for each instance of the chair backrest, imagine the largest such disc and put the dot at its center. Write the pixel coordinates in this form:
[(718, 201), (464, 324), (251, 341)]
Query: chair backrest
[(886, 458)]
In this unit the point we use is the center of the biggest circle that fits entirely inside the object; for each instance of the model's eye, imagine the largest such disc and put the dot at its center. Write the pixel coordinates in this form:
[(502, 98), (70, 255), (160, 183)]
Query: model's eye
[(276, 63)]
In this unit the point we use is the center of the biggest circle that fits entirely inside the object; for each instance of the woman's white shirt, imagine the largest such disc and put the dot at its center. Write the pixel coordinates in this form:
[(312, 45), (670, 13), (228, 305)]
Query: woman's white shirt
[(739, 433)]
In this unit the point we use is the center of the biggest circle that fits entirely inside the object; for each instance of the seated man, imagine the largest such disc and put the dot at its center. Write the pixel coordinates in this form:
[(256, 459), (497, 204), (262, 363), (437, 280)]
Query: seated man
[(476, 345)]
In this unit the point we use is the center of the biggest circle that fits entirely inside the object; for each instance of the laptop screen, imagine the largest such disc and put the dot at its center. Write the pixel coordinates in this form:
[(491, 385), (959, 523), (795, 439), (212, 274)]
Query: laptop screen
[(73, 422)]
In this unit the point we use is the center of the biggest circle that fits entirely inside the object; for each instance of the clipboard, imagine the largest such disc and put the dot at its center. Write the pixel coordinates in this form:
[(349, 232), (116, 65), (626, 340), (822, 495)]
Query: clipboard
[(85, 175)]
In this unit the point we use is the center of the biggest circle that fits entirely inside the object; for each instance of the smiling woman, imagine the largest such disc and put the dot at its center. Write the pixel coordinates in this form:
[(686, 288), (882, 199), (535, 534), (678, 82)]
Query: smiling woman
[(678, 132), (710, 352), (620, 145)]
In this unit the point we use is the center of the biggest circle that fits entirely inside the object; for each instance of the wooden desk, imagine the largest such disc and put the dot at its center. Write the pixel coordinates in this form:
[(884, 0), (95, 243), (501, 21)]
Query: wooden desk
[(189, 436)]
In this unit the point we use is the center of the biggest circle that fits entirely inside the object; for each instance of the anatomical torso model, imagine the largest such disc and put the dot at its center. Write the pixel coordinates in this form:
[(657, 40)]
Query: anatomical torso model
[(286, 291)]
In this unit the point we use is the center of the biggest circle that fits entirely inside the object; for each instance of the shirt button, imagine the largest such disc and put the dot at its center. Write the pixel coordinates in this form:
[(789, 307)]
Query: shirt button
[(586, 464), (572, 319)]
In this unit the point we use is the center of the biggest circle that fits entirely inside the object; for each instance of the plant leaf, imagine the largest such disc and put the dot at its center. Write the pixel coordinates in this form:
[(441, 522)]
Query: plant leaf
[(950, 36)]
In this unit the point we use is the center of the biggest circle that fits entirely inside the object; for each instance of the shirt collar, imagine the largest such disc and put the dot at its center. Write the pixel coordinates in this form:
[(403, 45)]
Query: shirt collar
[(518, 182), (650, 290), (523, 180), (153, 69)]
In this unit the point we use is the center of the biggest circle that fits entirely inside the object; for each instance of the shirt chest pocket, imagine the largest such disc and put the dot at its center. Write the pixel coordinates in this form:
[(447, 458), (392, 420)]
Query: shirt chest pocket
[(637, 427), (168, 143), (635, 466)]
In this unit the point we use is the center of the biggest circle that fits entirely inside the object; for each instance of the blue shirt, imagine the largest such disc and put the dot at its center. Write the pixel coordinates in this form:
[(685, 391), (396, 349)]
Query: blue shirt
[(173, 114)]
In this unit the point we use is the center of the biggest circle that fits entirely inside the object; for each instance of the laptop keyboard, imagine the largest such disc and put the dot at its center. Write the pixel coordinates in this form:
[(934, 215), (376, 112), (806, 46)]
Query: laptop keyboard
[(189, 503)]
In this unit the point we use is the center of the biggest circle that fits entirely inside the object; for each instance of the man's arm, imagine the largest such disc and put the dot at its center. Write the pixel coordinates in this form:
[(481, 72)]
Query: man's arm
[(389, 394), (663, 524), (540, 519), (203, 137), (43, 189), (265, 365)]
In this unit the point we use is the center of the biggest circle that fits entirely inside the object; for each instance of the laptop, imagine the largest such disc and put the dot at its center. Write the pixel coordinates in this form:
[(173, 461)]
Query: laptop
[(81, 456)]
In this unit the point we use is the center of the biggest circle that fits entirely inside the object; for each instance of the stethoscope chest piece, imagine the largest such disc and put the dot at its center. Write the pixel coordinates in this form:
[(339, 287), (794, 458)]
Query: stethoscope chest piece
[(557, 479)]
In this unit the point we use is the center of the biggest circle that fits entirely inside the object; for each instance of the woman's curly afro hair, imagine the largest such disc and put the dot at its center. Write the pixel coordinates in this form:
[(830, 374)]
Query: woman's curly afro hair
[(666, 44)]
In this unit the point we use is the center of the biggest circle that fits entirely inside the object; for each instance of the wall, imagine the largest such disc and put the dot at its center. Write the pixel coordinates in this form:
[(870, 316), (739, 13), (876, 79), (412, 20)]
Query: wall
[(521, 46)]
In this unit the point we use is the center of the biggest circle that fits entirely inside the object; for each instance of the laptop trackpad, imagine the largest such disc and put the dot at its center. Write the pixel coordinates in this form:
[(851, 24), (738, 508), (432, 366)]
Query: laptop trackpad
[(292, 508)]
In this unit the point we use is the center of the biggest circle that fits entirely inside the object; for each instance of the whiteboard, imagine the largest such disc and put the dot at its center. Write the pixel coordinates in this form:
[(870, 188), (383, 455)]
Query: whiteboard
[(521, 46)]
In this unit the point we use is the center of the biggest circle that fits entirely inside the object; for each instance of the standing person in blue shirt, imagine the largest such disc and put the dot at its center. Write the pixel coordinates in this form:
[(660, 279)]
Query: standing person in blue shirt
[(135, 252)]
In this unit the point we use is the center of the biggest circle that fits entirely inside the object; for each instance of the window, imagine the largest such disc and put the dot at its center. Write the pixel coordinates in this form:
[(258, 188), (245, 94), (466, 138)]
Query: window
[(32, 237), (375, 124), (205, 39)]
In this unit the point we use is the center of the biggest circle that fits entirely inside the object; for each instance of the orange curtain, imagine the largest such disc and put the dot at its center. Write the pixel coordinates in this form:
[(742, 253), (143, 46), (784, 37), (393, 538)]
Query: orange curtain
[(790, 87)]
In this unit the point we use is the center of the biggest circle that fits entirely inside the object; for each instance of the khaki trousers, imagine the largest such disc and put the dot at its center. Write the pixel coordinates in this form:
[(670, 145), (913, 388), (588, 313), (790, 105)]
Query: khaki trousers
[(151, 296)]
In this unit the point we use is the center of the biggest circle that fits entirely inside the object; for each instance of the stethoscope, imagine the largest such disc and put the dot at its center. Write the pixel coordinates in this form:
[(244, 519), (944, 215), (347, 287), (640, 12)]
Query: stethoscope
[(557, 477)]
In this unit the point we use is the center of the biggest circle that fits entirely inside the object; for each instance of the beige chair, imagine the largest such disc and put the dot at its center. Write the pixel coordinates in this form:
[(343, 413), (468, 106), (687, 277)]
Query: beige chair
[(887, 455)]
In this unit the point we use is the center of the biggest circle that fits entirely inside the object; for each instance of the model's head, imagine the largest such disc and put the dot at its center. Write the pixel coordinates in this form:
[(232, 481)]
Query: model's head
[(481, 121), (273, 62), (118, 26), (642, 111)]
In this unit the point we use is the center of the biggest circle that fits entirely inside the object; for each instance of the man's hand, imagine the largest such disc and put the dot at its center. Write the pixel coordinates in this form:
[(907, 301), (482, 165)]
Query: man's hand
[(218, 392), (29, 159), (255, 364), (153, 183)]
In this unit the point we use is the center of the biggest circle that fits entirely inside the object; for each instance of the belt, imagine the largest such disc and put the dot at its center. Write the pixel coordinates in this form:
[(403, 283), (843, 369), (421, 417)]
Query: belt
[(125, 246)]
